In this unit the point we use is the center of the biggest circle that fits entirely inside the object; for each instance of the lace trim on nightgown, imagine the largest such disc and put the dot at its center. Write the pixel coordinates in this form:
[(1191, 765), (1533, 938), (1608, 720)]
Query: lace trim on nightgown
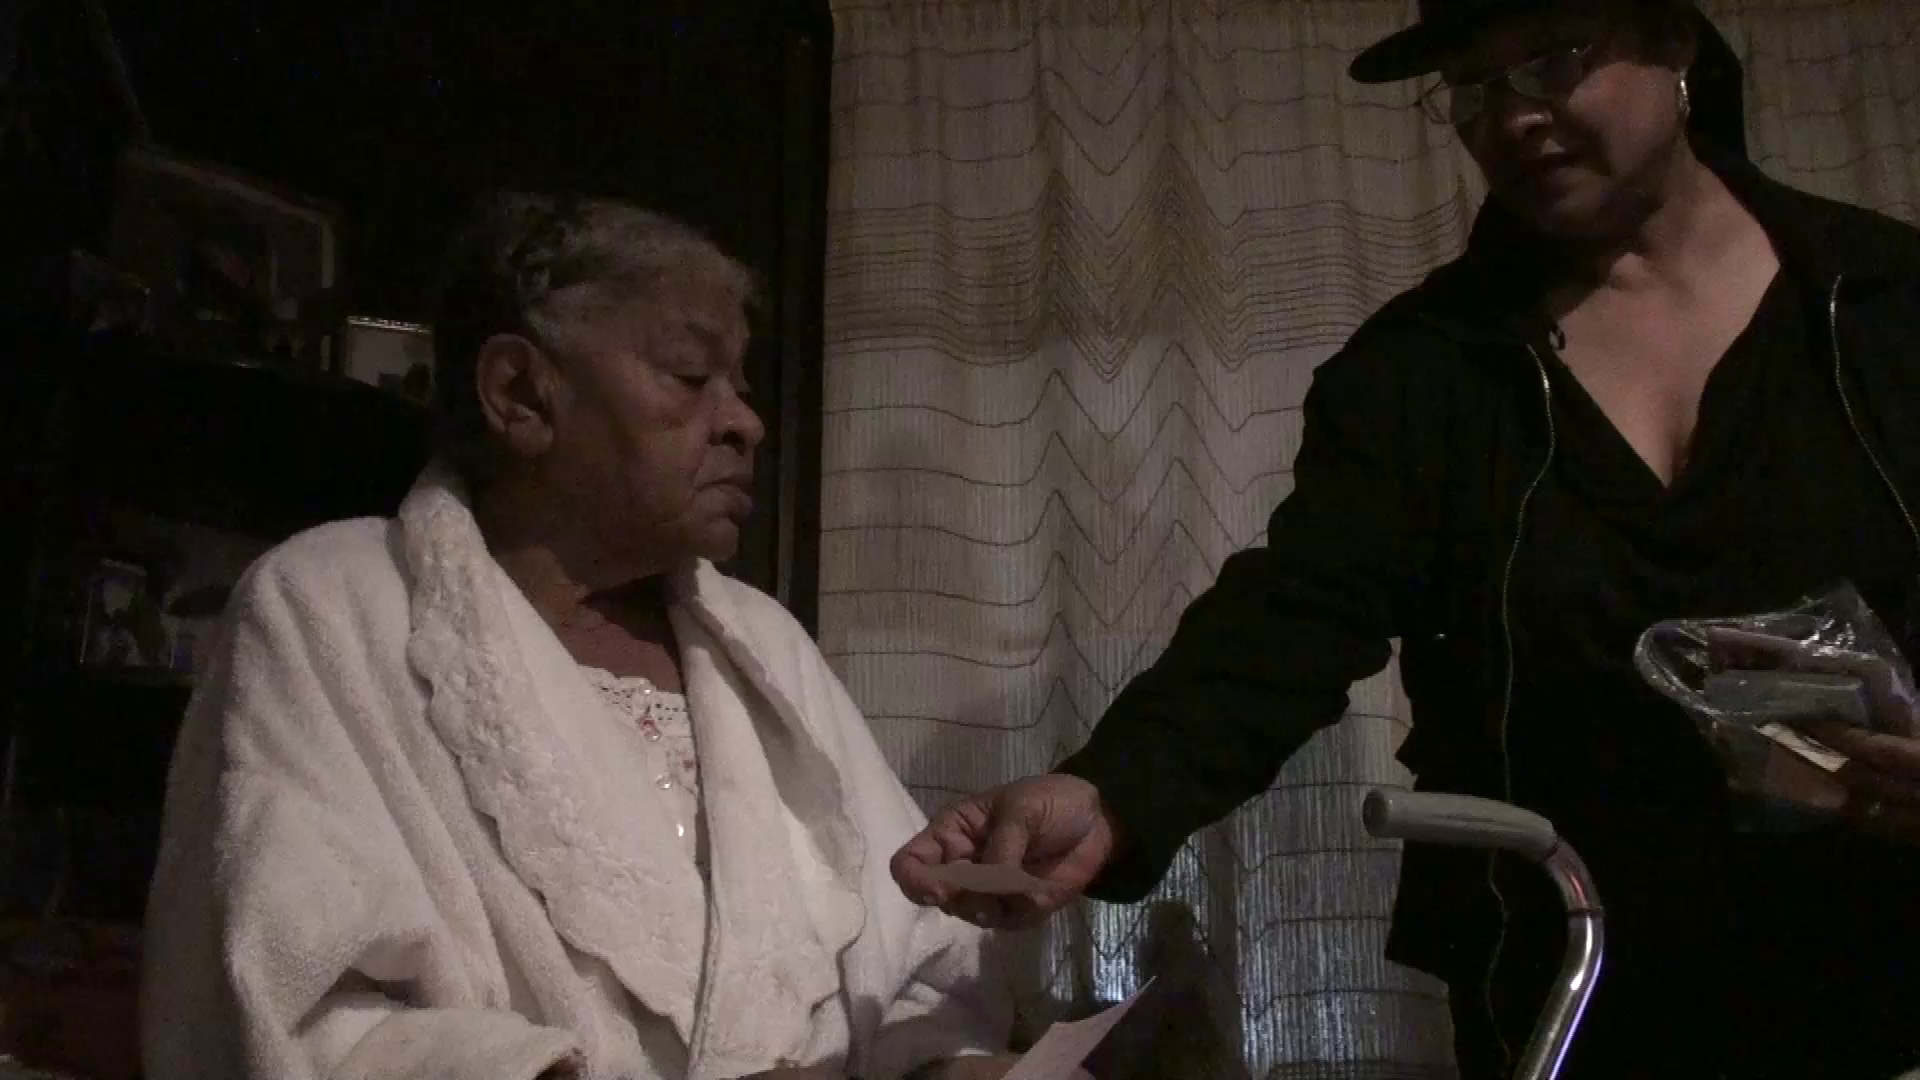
[(662, 721)]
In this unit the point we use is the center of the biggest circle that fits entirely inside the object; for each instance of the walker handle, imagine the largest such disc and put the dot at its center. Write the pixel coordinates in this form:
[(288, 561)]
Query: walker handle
[(1459, 821), (1463, 821)]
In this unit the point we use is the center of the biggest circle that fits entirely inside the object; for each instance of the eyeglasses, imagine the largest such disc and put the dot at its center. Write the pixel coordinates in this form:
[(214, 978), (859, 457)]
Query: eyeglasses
[(1550, 77)]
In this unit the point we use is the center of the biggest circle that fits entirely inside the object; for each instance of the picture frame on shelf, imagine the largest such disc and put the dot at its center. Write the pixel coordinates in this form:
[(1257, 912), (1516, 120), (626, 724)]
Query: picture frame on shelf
[(154, 598), (394, 356), (237, 264), (120, 629)]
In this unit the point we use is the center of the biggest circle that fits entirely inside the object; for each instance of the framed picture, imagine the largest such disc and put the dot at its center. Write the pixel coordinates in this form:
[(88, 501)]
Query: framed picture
[(154, 603), (121, 629), (395, 356), (241, 263)]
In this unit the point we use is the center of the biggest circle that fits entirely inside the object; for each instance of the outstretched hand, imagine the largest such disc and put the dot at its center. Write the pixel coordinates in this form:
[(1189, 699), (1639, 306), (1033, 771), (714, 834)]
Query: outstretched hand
[(1054, 827)]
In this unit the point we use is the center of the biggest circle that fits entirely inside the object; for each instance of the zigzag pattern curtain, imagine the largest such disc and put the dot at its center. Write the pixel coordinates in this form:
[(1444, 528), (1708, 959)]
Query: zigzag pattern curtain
[(1083, 257)]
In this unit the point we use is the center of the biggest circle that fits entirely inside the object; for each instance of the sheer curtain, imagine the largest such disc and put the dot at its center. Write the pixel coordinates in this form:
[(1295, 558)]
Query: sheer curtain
[(1083, 258)]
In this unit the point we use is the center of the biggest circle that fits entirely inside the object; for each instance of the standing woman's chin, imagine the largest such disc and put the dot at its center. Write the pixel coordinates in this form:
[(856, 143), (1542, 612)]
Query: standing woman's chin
[(1566, 213)]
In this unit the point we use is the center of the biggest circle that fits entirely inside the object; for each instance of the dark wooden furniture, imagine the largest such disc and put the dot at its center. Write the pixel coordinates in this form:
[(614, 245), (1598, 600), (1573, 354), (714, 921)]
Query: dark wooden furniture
[(124, 425)]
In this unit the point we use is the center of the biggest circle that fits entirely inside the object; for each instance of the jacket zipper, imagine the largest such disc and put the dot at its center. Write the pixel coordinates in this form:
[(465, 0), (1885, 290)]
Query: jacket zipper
[(1846, 406), (1506, 697)]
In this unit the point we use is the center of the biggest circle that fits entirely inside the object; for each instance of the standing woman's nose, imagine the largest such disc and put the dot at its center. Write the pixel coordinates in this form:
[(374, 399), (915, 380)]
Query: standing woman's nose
[(1511, 115)]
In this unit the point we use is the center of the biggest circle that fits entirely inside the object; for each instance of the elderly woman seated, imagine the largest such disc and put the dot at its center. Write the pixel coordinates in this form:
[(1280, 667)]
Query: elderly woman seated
[(519, 785)]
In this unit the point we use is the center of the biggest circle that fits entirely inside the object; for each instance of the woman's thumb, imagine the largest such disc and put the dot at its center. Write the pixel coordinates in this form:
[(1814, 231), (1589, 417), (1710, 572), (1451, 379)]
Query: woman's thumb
[(1008, 835)]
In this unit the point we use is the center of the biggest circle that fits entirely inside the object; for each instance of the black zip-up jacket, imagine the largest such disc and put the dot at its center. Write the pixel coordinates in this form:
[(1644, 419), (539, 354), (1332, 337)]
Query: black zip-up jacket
[(1423, 439)]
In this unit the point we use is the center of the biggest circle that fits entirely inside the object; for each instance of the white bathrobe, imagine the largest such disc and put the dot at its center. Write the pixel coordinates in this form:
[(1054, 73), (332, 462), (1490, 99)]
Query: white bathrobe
[(394, 846)]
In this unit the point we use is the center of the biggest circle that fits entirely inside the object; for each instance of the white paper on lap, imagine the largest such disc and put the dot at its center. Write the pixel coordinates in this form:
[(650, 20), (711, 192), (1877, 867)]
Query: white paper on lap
[(1065, 1047)]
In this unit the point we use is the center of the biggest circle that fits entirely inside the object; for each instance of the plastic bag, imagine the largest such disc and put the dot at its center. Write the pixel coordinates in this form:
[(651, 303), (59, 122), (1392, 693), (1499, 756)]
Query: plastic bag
[(1754, 683)]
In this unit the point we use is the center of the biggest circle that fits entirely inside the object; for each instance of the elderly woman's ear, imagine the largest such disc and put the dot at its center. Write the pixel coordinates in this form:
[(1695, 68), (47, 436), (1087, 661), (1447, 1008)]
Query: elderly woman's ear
[(518, 384)]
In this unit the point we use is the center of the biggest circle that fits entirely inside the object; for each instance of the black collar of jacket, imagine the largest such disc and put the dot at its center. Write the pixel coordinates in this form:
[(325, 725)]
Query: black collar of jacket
[(1496, 290)]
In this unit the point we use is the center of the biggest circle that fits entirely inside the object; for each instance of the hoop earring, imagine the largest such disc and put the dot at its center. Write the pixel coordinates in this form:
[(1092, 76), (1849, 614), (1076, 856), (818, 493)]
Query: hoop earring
[(1686, 99)]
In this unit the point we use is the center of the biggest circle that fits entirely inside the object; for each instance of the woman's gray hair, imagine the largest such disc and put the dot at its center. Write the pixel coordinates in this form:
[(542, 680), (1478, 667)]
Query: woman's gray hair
[(541, 266)]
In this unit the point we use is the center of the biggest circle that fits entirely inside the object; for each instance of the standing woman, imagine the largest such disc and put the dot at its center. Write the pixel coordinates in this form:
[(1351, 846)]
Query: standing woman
[(1657, 385)]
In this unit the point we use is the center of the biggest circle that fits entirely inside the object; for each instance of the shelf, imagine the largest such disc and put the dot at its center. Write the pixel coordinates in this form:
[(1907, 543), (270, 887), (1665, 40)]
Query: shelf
[(97, 738), (262, 450), (125, 684), (96, 861), (124, 679), (94, 762), (253, 448), (93, 749)]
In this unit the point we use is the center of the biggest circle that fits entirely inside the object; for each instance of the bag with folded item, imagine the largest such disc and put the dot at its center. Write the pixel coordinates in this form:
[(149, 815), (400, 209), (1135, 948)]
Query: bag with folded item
[(1754, 684)]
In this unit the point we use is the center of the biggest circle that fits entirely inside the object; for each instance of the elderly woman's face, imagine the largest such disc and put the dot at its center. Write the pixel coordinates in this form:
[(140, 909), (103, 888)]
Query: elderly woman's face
[(1574, 162), (656, 435)]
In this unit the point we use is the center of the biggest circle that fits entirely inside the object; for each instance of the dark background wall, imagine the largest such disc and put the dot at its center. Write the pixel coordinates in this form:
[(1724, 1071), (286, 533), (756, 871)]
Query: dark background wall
[(399, 112), (403, 111)]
